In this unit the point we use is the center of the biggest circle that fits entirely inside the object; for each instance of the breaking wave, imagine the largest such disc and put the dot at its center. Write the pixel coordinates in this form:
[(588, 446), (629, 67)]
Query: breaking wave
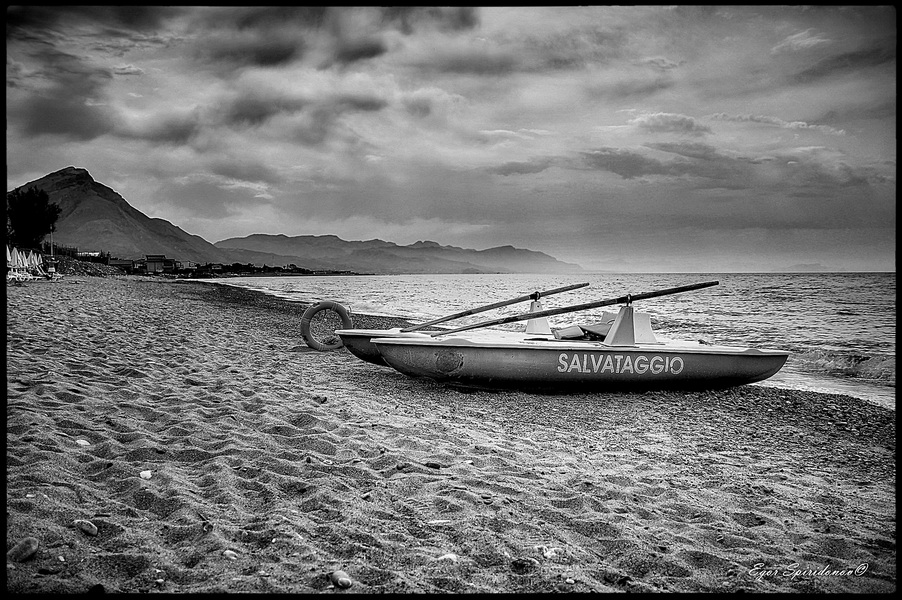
[(875, 369)]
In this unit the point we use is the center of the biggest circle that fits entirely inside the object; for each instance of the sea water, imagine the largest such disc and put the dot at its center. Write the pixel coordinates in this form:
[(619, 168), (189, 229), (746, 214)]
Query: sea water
[(840, 328)]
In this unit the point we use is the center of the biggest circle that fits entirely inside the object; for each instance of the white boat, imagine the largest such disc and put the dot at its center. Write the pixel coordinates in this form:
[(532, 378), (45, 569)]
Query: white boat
[(629, 356), (360, 341)]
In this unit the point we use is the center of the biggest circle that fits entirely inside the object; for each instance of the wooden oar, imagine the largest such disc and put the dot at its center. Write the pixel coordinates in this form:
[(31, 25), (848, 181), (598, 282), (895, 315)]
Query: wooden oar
[(473, 311), (567, 309)]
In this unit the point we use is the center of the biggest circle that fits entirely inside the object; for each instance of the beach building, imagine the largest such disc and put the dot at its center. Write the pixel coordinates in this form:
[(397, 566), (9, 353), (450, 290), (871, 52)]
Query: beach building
[(124, 264), (158, 263)]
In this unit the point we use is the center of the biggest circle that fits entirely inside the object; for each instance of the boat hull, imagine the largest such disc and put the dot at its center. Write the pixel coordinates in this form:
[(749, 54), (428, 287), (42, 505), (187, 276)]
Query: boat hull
[(362, 342), (359, 342), (583, 366)]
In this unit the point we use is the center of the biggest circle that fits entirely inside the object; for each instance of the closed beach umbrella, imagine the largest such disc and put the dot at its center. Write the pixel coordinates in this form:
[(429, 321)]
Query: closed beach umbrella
[(15, 258), (9, 258)]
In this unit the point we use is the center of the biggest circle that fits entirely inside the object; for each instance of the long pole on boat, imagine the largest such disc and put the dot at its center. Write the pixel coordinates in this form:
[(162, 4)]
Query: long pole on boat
[(533, 296), (576, 307)]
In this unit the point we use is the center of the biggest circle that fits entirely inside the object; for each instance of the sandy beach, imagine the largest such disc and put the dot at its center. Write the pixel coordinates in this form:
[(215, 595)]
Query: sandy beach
[(180, 437)]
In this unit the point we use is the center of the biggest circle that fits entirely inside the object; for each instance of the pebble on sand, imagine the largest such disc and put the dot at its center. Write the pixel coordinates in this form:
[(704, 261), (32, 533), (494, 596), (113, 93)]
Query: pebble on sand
[(230, 554), (83, 442), (145, 474), (86, 526), (25, 549), (340, 579), (450, 556)]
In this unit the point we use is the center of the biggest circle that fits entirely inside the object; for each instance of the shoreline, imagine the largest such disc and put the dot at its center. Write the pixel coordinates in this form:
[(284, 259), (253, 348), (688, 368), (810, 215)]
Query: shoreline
[(272, 465), (787, 378)]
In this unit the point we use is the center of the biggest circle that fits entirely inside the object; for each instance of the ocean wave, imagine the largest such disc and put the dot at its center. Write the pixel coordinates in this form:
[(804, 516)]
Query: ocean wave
[(877, 369)]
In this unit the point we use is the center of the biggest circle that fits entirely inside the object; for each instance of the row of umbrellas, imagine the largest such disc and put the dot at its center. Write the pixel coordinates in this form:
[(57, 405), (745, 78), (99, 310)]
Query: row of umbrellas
[(23, 259)]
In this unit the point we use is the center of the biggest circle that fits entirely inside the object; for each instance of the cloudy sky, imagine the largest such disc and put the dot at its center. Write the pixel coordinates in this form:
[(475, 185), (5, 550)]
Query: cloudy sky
[(642, 138)]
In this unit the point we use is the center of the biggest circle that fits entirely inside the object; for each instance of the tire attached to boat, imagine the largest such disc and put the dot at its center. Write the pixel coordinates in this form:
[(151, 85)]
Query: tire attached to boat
[(311, 312)]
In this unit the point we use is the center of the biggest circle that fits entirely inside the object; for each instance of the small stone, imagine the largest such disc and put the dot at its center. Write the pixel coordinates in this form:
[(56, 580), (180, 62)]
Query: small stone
[(449, 556), (145, 474), (524, 565), (22, 551), (569, 580), (230, 554), (340, 579), (83, 442), (85, 527), (433, 465), (546, 551)]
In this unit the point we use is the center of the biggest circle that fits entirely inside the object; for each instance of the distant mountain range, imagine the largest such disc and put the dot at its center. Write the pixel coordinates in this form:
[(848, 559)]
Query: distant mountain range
[(378, 256), (95, 217)]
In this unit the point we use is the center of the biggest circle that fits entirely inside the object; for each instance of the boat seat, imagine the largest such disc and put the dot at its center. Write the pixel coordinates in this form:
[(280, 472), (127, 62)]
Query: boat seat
[(587, 331), (599, 330)]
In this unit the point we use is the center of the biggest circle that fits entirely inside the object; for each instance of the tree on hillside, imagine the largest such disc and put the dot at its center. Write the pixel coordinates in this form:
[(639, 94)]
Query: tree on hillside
[(30, 216)]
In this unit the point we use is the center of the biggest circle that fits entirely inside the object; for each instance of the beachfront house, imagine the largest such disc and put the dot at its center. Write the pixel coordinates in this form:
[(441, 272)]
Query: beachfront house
[(126, 265), (158, 263)]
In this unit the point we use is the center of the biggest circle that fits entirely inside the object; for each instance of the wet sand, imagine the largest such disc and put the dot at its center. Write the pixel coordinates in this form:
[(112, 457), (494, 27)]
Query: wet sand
[(167, 436)]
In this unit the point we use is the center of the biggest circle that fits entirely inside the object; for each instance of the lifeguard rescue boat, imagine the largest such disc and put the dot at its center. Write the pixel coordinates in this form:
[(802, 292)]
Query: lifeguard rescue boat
[(620, 352)]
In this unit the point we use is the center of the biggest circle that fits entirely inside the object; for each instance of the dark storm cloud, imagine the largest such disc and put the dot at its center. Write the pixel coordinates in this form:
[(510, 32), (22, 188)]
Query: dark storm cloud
[(68, 90), (350, 51), (627, 163), (409, 18), (256, 108), (249, 49), (246, 36), (536, 165), (175, 128), (71, 104), (25, 20), (310, 121), (849, 62), (276, 36), (64, 117)]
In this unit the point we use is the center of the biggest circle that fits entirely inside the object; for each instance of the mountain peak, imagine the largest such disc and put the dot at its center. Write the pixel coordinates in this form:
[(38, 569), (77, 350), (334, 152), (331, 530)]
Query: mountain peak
[(77, 173)]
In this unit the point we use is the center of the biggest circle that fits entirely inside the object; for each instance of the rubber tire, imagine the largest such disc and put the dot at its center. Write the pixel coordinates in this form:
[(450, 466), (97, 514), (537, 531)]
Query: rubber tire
[(308, 316)]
